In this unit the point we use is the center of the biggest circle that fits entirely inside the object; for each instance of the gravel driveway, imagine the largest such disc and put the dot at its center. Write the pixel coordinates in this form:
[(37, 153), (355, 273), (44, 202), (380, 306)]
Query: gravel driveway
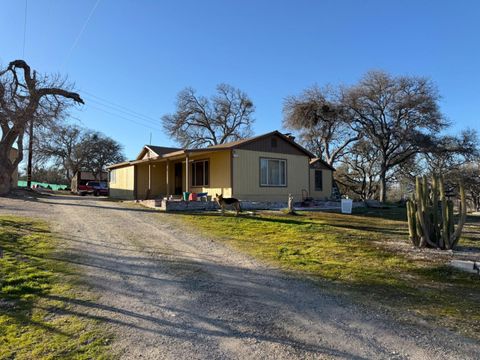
[(172, 295)]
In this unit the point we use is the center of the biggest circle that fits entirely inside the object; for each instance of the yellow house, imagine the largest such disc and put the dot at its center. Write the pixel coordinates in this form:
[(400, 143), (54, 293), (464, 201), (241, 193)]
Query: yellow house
[(262, 168)]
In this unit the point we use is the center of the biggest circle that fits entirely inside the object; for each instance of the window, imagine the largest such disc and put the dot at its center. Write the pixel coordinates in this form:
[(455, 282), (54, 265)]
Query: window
[(273, 172), (200, 173), (274, 142), (113, 176), (318, 180)]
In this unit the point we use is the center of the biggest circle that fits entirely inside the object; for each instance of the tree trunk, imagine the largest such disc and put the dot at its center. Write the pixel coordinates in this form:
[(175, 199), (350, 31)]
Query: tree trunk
[(383, 186), (5, 177)]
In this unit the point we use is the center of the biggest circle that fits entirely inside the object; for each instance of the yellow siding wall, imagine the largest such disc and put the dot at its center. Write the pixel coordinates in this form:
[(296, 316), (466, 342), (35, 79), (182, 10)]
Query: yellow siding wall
[(158, 181), (220, 174), (327, 178), (123, 187), (246, 176)]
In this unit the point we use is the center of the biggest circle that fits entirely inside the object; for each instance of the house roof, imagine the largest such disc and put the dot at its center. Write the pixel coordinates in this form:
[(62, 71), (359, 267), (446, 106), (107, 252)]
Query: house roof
[(323, 162), (238, 143), (157, 150), (161, 150), (168, 152)]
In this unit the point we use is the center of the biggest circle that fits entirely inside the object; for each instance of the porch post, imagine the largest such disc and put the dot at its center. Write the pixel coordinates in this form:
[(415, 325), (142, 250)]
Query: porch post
[(186, 173), (168, 176), (149, 180)]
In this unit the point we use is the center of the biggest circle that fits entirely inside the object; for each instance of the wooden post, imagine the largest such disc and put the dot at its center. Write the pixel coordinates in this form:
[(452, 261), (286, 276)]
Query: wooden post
[(167, 166), (186, 173), (149, 191)]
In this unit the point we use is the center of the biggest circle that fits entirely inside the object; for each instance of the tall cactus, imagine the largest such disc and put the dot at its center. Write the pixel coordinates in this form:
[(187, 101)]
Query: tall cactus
[(430, 215)]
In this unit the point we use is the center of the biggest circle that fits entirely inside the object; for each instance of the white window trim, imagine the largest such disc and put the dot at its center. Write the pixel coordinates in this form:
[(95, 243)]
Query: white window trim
[(285, 177)]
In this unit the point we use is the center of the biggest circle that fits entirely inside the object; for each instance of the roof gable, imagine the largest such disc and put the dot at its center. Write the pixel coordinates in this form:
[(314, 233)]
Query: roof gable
[(320, 164), (263, 142), (154, 151)]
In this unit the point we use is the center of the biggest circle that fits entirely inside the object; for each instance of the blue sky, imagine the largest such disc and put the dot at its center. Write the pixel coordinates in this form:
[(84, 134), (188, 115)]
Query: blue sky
[(140, 54)]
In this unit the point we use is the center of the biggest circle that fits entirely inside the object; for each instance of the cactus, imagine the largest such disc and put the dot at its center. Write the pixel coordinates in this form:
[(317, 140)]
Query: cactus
[(430, 215)]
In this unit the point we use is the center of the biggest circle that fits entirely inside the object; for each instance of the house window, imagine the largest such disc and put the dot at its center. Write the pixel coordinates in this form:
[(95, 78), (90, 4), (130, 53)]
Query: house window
[(113, 176), (318, 180), (274, 142), (200, 173), (273, 172)]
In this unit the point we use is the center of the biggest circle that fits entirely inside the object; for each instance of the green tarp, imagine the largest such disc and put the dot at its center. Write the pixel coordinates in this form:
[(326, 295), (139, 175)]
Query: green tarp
[(22, 183)]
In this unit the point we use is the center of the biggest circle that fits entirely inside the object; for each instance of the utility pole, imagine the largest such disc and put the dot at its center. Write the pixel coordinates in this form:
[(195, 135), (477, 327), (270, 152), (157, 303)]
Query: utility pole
[(30, 150)]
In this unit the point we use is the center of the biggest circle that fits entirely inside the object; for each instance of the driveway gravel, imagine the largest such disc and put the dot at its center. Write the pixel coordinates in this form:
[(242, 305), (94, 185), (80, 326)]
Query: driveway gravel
[(168, 293)]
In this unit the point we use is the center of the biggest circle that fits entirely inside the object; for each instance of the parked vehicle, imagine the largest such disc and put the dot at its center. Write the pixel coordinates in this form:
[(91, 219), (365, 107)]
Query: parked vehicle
[(82, 178), (97, 188)]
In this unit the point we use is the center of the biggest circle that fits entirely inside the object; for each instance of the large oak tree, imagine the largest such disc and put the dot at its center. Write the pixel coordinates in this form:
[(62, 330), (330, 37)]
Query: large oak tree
[(321, 121), (24, 96), (200, 121), (73, 149), (399, 116)]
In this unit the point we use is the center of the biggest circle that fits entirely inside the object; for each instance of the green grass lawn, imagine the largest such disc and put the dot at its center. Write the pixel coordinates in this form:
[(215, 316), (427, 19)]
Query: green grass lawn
[(354, 254), (35, 321)]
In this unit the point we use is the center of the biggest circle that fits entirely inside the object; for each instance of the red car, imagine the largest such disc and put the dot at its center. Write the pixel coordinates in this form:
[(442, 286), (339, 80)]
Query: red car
[(97, 188)]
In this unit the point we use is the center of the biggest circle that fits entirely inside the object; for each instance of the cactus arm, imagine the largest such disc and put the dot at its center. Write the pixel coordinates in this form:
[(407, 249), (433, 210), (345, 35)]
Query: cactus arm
[(463, 217), (445, 230), (435, 217), (422, 213), (411, 222)]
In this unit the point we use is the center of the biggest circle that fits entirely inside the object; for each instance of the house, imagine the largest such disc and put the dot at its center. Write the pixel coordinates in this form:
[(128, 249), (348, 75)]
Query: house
[(262, 168)]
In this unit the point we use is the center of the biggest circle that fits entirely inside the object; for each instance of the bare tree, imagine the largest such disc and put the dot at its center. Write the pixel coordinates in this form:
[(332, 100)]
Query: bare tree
[(73, 149), (451, 153), (23, 96), (400, 117), (359, 170), (319, 118), (63, 145), (200, 121), (103, 151)]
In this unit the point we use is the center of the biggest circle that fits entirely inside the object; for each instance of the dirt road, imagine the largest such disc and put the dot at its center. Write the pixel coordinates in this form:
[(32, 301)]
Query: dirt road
[(172, 295)]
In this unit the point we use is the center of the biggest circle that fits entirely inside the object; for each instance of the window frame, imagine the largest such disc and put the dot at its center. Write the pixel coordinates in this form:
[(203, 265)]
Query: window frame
[(193, 173), (315, 180), (260, 172)]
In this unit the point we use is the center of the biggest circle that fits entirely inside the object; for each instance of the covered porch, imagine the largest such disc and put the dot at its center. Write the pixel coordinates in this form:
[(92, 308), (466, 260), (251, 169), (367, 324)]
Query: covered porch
[(195, 172)]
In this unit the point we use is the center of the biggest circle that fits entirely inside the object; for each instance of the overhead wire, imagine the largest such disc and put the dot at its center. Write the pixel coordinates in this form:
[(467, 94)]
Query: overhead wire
[(125, 118), (120, 106), (121, 110), (82, 30)]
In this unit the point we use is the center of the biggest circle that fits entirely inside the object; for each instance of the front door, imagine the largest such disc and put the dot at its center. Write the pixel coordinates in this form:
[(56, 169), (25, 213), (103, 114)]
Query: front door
[(178, 178)]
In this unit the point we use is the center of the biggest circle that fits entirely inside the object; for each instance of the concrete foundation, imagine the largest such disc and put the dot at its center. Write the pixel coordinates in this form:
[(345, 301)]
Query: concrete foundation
[(181, 205)]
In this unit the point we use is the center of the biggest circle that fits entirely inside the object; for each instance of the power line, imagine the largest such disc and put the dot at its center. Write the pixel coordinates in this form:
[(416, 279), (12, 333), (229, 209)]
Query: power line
[(136, 113), (74, 45), (24, 29), (128, 113), (125, 118)]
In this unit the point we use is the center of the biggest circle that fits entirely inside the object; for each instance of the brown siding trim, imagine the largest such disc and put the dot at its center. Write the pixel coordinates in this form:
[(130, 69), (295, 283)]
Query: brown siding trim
[(265, 145)]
